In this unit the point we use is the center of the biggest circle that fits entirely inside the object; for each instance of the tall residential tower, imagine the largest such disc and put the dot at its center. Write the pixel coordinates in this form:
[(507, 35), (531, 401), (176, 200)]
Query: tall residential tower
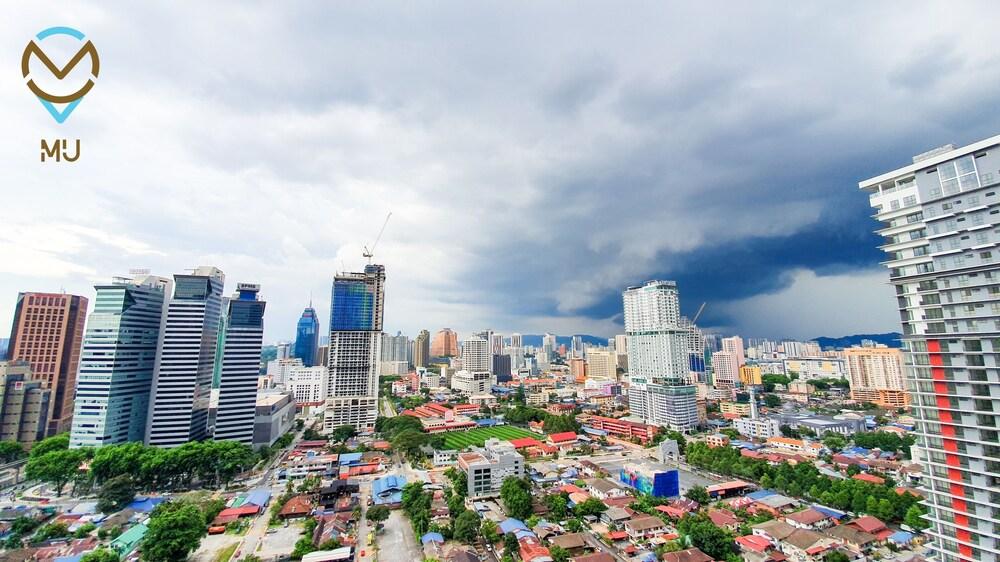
[(940, 223)]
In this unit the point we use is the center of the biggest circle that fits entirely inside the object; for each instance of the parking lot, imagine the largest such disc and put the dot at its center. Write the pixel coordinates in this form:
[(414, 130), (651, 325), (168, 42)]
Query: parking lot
[(280, 540)]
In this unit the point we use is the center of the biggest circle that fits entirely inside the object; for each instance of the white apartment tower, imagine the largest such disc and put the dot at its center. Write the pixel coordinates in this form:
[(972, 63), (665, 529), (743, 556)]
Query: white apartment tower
[(940, 222), (185, 359), (243, 339), (476, 356), (658, 357), (356, 310)]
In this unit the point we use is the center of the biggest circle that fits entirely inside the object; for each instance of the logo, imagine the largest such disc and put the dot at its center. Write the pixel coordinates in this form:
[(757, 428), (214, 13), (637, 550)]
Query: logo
[(49, 100)]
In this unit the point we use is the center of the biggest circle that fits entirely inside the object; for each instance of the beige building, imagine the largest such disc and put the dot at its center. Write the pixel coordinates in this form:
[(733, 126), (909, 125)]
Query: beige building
[(602, 365), (577, 369), (725, 367), (750, 374), (24, 404), (876, 375)]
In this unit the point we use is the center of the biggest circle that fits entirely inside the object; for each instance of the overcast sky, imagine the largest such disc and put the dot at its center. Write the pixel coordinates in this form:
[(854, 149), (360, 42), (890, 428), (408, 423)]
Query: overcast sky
[(537, 157)]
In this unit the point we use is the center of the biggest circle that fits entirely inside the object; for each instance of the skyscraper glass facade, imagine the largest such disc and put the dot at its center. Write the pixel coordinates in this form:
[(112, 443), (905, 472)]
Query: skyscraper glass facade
[(307, 337)]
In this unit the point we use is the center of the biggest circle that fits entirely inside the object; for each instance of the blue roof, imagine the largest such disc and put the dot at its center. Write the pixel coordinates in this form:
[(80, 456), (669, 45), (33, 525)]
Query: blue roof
[(857, 451), (901, 537), (593, 431), (486, 422), (501, 389), (511, 525), (346, 459), (145, 505), (76, 558), (259, 497), (761, 494), (829, 512), (432, 537), (388, 489), (522, 533)]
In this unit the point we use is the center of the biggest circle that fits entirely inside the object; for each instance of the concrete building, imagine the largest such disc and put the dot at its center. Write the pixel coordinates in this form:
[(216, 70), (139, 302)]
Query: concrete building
[(876, 375), (243, 339), (185, 360), (274, 416), (445, 344), (476, 354), (602, 364), (117, 362), (750, 375), (846, 424), (734, 346), (48, 334), (307, 385), (487, 467), (577, 369), (356, 312), (759, 428), (658, 358), (809, 368), (725, 368), (278, 369), (470, 382), (24, 404), (393, 368), (502, 368), (422, 349), (396, 348)]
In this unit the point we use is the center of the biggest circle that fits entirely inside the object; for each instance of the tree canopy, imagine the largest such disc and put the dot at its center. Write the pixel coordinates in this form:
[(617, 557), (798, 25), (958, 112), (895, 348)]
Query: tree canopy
[(175, 529), (516, 496)]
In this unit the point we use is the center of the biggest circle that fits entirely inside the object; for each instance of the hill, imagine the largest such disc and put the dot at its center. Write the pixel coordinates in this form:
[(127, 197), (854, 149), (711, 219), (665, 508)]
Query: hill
[(890, 339)]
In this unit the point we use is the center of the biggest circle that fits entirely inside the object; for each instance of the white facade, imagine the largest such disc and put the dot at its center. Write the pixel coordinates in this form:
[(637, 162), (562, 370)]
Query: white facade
[(726, 370), (486, 468), (810, 368), (307, 384), (602, 365), (476, 354), (759, 428), (278, 369), (470, 382), (734, 346)]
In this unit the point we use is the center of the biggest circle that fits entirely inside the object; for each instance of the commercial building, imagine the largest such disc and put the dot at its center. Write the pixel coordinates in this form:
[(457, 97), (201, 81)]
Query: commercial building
[(307, 337), (651, 480), (622, 429), (396, 348), (24, 404), (185, 360), (750, 375), (939, 220), (845, 424), (48, 334), (658, 357), (476, 354), (577, 369), (486, 468), (602, 364), (502, 368), (273, 416), (740, 409), (809, 368), (445, 344), (472, 382), (243, 338), (725, 368), (117, 362), (422, 349), (308, 385), (734, 346), (758, 428), (356, 311), (876, 375)]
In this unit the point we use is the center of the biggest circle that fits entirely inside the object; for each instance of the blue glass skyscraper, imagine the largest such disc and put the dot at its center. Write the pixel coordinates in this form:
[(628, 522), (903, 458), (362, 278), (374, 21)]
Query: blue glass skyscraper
[(307, 337)]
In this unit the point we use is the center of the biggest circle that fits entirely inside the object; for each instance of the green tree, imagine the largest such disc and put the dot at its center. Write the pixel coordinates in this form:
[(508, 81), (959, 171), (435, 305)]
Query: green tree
[(510, 544), (84, 530), (466, 527), (175, 529), (10, 451), (100, 555), (115, 494), (343, 433), (489, 530), (574, 525), (698, 494), (302, 547), (772, 401), (459, 481), (559, 554), (57, 467), (51, 531), (914, 518), (834, 441), (703, 534), (55, 443), (558, 505), (590, 506), (377, 514), (516, 496), (836, 556)]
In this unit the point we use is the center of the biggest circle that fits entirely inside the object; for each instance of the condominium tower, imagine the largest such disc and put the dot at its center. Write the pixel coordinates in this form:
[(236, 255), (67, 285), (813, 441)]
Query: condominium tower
[(876, 375), (117, 361), (476, 355), (243, 339), (422, 349), (356, 310), (445, 344), (48, 333), (658, 357), (940, 223), (185, 358)]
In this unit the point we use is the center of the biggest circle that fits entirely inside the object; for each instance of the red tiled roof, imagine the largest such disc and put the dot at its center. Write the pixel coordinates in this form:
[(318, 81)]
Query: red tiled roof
[(755, 543), (563, 437), (522, 442), (722, 517), (807, 517), (617, 535), (299, 505), (869, 524), (865, 477)]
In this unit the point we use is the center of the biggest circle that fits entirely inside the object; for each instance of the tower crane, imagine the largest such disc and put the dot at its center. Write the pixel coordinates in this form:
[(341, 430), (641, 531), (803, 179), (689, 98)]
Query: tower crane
[(371, 253), (698, 314)]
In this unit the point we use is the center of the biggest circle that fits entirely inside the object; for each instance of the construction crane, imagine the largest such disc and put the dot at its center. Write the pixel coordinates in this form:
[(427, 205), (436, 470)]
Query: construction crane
[(371, 253), (698, 314)]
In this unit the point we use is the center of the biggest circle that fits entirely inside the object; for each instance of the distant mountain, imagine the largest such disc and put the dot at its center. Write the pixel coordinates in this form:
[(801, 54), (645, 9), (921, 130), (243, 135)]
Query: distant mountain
[(890, 339), (535, 340)]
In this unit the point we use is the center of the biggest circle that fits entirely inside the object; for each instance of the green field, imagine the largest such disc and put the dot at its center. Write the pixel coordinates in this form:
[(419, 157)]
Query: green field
[(462, 439)]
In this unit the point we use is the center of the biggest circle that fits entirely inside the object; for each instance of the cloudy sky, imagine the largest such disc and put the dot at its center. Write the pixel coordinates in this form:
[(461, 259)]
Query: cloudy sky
[(537, 157)]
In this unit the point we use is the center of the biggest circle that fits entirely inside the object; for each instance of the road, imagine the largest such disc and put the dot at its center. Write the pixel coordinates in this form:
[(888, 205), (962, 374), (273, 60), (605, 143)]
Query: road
[(396, 541), (599, 546)]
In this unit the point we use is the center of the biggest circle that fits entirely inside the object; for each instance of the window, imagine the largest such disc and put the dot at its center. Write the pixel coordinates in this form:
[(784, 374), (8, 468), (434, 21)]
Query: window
[(981, 238), (958, 174), (894, 204), (910, 200)]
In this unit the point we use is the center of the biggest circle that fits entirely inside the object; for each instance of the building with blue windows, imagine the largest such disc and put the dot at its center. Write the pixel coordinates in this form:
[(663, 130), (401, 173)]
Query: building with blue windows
[(307, 337), (244, 337)]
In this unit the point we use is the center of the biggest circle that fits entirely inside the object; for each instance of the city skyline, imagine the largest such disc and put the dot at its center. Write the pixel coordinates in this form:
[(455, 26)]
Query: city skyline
[(593, 134)]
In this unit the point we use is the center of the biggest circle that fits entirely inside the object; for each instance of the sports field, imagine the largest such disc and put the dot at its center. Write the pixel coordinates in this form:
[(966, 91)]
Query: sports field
[(462, 439)]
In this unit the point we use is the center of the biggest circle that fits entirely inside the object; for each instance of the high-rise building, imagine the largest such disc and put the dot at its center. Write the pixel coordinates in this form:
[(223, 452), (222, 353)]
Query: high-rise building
[(308, 385), (725, 369), (422, 349), (548, 347), (751, 375), (734, 346), (284, 350), (307, 337), (117, 362), (48, 334), (445, 344), (516, 340), (576, 346), (941, 229), (496, 343), (502, 368), (658, 358), (24, 404), (185, 360), (356, 311), (244, 337), (876, 375), (395, 348), (602, 364), (476, 355)]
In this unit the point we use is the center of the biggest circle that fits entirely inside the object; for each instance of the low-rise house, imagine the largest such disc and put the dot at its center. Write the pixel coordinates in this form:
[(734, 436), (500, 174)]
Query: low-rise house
[(870, 478), (565, 441), (717, 440), (774, 531), (603, 489), (689, 555), (873, 526), (615, 516), (724, 518), (804, 545), (808, 519), (796, 446), (533, 551), (298, 506), (644, 527), (575, 543), (755, 548), (596, 557), (856, 539)]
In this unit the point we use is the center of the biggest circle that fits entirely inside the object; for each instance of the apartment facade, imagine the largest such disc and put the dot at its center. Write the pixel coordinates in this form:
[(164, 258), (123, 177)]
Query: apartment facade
[(487, 467), (876, 375), (117, 362), (940, 223), (48, 334), (24, 404)]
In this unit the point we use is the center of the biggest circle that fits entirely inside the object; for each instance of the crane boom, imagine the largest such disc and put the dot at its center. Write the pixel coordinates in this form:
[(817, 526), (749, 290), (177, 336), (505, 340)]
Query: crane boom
[(698, 314), (371, 253)]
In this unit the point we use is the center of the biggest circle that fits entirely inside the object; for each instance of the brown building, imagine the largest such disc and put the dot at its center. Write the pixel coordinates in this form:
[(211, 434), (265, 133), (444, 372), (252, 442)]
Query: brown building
[(24, 404), (445, 344), (48, 333)]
